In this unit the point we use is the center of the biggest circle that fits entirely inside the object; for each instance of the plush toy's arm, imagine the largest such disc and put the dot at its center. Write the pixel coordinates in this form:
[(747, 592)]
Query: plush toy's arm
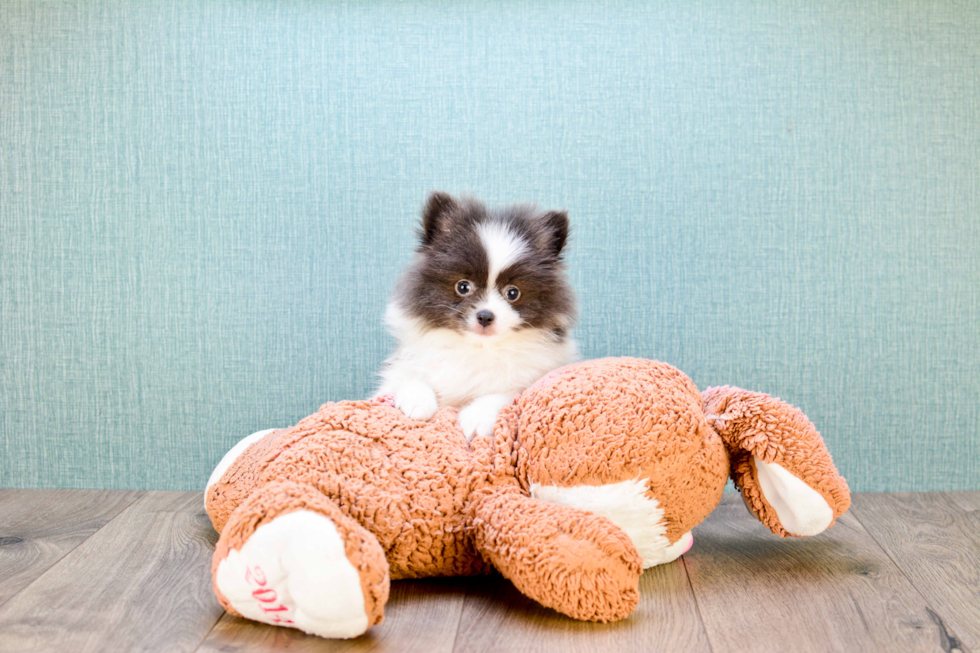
[(778, 461), (576, 562)]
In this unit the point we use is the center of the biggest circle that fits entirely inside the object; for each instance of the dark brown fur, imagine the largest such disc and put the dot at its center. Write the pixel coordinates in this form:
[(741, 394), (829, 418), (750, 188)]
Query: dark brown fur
[(450, 249)]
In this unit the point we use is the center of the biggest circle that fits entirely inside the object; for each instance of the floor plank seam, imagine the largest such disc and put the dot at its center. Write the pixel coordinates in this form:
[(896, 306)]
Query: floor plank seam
[(951, 642), (697, 605), (210, 630), (67, 553), (459, 620)]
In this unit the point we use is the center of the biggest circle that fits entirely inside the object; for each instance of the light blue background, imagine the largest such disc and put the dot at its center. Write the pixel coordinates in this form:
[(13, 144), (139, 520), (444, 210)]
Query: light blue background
[(204, 205)]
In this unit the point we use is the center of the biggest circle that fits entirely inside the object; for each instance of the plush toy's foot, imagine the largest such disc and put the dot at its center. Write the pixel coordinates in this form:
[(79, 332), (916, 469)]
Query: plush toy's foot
[(801, 510), (579, 563), (314, 568), (778, 461), (293, 572), (675, 550)]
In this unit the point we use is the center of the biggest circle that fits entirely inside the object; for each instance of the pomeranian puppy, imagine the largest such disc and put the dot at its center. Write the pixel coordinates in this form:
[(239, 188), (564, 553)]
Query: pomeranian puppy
[(484, 310)]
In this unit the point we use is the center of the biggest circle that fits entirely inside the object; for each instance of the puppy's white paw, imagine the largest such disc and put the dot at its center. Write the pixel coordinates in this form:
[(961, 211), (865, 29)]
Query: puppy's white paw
[(479, 417), (416, 400)]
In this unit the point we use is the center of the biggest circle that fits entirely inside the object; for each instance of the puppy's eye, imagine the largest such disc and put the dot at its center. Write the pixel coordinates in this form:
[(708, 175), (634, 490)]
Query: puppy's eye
[(512, 293), (463, 288)]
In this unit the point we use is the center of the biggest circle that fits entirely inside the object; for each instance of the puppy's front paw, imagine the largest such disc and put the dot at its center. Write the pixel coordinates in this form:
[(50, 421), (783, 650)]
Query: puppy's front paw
[(479, 417), (416, 400)]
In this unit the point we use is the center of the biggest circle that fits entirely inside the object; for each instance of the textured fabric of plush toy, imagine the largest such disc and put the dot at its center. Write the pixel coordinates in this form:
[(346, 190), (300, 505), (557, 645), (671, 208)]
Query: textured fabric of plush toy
[(411, 499), (282, 497), (613, 419), (406, 481), (753, 424)]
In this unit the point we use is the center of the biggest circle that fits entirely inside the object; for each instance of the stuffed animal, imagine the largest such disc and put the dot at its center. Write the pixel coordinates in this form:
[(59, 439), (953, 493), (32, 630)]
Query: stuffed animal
[(596, 472)]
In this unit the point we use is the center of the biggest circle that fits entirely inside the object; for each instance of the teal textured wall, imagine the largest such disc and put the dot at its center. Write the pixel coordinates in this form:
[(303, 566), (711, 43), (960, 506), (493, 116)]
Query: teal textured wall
[(204, 205)]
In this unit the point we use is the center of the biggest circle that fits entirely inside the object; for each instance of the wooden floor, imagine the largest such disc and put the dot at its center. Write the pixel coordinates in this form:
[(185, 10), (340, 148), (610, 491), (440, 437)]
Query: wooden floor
[(126, 571)]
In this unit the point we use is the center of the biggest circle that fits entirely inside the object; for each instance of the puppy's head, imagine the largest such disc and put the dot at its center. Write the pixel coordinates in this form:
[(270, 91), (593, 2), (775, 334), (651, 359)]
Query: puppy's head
[(489, 273)]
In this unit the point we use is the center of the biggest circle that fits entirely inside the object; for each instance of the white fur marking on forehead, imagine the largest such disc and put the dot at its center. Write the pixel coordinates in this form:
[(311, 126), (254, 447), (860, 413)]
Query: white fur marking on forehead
[(503, 247)]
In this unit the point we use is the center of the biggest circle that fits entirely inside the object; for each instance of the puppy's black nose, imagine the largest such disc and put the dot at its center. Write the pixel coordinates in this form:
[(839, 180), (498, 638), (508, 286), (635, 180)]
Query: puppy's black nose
[(485, 318)]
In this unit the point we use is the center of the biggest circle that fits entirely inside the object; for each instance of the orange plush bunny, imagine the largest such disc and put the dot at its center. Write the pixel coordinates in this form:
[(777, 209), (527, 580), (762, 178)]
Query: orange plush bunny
[(598, 471)]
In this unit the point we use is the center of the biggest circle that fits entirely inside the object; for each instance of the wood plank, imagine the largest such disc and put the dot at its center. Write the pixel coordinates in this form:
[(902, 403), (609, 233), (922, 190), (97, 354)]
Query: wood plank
[(836, 591), (421, 615), (39, 527), (142, 582), (936, 542), (496, 617), (968, 501), (900, 572)]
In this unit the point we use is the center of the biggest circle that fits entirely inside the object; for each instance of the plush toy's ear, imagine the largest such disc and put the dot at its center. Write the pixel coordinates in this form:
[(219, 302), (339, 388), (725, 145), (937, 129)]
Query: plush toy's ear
[(778, 461), (554, 227), (434, 214)]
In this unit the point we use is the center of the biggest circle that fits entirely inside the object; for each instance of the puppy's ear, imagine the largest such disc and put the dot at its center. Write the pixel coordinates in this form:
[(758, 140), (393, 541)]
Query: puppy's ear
[(434, 215), (554, 230)]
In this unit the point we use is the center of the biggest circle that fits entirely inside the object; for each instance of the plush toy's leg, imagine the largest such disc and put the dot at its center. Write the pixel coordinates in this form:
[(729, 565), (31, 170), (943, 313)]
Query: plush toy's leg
[(627, 505), (778, 461), (571, 560), (289, 556), (675, 550), (233, 454), (221, 499)]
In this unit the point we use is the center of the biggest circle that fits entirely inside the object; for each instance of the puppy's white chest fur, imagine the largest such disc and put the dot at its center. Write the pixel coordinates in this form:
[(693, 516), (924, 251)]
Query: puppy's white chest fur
[(460, 370)]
